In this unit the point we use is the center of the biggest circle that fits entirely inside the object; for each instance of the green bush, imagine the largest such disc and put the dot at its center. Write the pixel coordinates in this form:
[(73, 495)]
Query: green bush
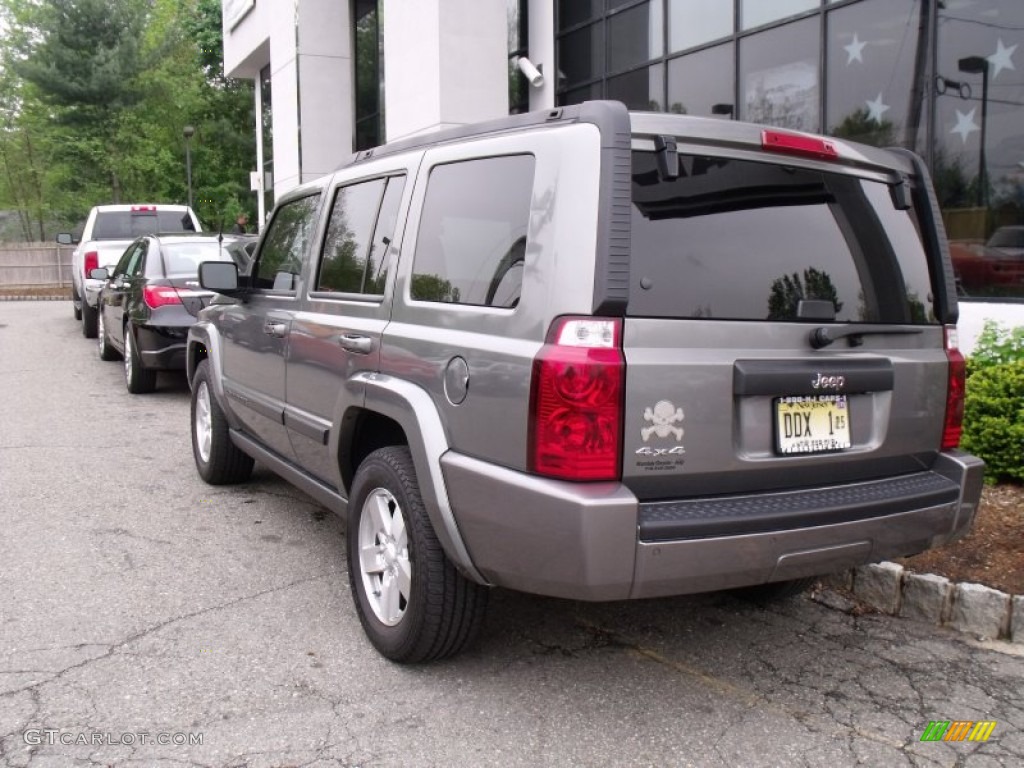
[(994, 418), (996, 345)]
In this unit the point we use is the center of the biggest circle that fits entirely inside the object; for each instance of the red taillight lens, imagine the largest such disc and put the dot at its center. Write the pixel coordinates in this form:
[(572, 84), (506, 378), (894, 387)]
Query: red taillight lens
[(576, 401), (160, 295), (92, 261), (955, 394), (794, 144)]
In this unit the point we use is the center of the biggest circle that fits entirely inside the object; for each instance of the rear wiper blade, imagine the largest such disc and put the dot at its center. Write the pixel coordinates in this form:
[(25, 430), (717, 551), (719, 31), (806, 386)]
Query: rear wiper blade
[(854, 335)]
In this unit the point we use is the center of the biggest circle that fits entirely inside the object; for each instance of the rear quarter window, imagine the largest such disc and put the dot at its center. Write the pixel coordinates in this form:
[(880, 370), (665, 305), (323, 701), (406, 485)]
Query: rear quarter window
[(741, 240), (472, 238)]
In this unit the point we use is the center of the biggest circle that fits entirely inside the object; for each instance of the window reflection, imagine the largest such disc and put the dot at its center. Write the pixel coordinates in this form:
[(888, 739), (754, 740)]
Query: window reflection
[(754, 13), (779, 76), (693, 22), (698, 81), (871, 56)]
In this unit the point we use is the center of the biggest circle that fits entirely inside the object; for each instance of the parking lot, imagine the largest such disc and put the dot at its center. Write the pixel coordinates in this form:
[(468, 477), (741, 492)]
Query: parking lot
[(140, 606)]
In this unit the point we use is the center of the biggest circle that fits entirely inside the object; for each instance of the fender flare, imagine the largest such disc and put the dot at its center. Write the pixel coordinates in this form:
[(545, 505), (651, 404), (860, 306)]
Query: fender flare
[(412, 408), (203, 334)]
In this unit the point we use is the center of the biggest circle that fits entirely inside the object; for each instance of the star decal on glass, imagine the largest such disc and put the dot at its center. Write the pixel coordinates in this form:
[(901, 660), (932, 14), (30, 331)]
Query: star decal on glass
[(1001, 60), (855, 50), (876, 108), (965, 124)]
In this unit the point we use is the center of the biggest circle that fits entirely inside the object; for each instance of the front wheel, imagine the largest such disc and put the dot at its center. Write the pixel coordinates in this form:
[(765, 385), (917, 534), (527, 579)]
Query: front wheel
[(413, 604), (218, 460)]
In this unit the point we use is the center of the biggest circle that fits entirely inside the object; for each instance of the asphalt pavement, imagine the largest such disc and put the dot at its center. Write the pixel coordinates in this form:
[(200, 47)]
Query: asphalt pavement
[(149, 619)]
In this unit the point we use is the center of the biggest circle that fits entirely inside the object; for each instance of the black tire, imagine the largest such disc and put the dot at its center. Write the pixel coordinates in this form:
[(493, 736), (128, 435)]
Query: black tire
[(774, 592), (76, 303), (443, 611), (224, 463), (138, 380), (89, 320), (106, 351)]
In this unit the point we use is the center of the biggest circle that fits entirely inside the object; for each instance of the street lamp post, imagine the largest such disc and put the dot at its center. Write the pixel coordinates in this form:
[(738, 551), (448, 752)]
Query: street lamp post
[(976, 65), (188, 131)]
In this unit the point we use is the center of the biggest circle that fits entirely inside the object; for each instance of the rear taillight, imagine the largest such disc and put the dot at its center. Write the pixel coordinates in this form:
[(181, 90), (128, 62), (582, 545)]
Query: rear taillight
[(795, 144), (576, 401), (92, 261), (955, 392), (160, 295)]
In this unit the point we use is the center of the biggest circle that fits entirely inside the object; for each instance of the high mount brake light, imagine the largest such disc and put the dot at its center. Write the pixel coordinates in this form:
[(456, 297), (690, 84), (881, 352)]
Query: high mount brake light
[(955, 393), (576, 401), (795, 144), (143, 208)]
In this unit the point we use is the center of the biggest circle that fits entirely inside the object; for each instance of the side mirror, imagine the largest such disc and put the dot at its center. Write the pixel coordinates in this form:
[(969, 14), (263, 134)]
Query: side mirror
[(99, 273), (219, 276), (65, 238)]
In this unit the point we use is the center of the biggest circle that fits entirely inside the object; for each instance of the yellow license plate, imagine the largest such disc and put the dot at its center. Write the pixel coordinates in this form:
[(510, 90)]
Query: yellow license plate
[(814, 424)]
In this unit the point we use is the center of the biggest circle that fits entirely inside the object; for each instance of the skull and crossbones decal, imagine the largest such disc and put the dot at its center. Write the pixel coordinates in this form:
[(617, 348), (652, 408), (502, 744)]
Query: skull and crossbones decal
[(662, 417)]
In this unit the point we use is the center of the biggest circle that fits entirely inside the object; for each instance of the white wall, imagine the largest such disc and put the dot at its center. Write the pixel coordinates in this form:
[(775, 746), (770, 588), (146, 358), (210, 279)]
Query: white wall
[(308, 47), (445, 64)]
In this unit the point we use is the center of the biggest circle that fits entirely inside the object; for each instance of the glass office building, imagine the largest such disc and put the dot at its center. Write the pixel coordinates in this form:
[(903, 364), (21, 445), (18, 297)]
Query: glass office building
[(944, 78)]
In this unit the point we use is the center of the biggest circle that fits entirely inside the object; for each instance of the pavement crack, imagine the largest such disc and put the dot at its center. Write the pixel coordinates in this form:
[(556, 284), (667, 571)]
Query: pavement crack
[(115, 647)]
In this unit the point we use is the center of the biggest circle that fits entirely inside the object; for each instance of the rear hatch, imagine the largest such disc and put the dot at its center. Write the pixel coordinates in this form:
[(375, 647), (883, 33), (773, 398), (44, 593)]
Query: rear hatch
[(782, 329)]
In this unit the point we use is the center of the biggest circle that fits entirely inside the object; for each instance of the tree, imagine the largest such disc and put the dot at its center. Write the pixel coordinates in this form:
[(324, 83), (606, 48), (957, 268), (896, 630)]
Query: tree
[(94, 95), (860, 126), (787, 292), (83, 57)]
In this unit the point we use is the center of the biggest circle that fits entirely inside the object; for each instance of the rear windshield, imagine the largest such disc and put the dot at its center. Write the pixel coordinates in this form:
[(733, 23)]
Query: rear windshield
[(740, 240), (185, 258), (127, 225)]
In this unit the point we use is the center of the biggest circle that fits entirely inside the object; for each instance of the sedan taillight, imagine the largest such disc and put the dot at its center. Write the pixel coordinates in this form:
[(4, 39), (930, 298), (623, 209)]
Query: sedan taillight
[(160, 295)]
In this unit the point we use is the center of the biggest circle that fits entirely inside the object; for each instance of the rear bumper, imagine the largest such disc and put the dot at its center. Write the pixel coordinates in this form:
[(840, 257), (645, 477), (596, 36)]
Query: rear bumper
[(584, 541), (162, 348)]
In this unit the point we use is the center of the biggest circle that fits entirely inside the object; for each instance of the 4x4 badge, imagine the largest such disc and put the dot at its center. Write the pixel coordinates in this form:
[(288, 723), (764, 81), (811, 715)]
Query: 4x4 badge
[(662, 417)]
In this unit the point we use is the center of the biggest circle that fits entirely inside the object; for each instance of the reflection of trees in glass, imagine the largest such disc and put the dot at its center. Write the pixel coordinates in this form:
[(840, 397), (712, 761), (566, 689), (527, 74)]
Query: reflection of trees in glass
[(433, 288), (788, 290), (344, 268), (788, 112), (954, 186), (860, 126)]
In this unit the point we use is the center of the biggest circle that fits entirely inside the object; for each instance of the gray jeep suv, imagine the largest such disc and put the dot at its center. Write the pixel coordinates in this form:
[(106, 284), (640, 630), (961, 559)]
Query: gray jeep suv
[(597, 355)]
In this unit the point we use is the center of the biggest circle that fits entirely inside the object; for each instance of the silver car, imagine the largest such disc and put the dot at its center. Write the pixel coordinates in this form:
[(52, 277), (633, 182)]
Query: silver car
[(596, 355)]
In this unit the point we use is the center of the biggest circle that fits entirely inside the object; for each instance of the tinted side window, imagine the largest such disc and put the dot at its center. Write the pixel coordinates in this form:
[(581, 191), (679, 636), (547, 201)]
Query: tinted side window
[(122, 264), (472, 238), (355, 252), (286, 244), (740, 240)]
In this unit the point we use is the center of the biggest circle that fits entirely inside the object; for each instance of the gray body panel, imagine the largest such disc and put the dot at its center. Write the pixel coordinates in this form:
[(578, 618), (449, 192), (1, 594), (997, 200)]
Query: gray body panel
[(699, 452)]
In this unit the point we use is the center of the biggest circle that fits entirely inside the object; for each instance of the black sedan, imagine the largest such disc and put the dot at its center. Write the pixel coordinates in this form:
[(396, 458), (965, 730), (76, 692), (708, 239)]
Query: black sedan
[(152, 297)]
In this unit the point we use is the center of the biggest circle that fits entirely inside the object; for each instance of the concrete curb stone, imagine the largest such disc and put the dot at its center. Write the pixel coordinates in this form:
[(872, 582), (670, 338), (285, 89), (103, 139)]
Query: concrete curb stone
[(879, 584), (926, 597), (971, 608), (1017, 623), (980, 610)]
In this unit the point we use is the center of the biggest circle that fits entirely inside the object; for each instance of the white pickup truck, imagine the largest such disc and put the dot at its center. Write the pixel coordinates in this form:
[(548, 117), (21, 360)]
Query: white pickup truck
[(109, 230)]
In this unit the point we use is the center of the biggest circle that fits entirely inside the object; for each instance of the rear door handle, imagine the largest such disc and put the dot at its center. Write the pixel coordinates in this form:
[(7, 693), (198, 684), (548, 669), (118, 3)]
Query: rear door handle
[(360, 344), (275, 329)]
